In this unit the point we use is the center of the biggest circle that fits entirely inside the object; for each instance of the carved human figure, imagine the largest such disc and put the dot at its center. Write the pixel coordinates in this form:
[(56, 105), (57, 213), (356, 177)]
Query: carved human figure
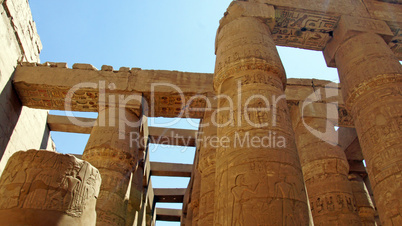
[(285, 190), (241, 194), (54, 189), (248, 72)]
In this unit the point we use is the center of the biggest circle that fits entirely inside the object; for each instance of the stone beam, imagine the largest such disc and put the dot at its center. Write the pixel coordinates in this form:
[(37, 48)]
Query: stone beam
[(166, 93), (357, 167), (165, 169), (171, 169), (168, 214), (169, 194), (180, 137), (157, 135), (46, 87), (349, 142), (309, 24), (63, 124)]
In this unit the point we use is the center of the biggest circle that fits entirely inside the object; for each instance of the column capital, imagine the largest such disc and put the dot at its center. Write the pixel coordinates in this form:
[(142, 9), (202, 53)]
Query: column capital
[(349, 26), (247, 9)]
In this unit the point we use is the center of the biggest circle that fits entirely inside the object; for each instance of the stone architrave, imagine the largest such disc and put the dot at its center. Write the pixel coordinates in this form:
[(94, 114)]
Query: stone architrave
[(258, 172), (364, 204), (371, 80), (206, 166), (325, 168), (110, 149), (48, 188)]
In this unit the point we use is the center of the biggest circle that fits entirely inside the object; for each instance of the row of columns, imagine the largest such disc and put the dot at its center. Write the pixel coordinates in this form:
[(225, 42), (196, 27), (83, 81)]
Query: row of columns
[(254, 185), (370, 75), (261, 173)]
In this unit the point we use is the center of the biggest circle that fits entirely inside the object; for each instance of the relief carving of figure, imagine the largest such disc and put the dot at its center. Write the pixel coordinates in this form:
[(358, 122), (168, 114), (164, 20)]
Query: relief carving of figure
[(241, 194), (286, 191)]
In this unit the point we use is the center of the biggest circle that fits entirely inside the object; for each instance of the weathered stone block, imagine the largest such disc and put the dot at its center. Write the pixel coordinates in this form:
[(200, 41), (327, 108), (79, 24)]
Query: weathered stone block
[(48, 188), (84, 67), (107, 68)]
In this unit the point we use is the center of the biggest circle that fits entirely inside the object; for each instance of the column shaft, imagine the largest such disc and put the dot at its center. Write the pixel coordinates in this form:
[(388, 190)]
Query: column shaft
[(364, 204), (371, 80), (207, 169), (115, 159), (325, 170), (195, 198), (258, 173), (135, 198)]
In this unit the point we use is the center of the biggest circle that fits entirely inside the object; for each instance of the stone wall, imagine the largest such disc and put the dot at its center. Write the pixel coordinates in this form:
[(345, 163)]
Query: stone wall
[(21, 128)]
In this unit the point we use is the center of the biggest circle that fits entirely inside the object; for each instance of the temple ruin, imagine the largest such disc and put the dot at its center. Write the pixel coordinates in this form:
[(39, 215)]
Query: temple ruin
[(267, 152)]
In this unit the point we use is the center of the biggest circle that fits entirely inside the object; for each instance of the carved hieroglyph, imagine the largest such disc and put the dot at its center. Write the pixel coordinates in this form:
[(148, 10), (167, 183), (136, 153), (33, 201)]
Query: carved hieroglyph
[(362, 197), (45, 87), (325, 170), (116, 159), (48, 188), (195, 196), (371, 85), (309, 24), (303, 29), (164, 93), (257, 181), (206, 166)]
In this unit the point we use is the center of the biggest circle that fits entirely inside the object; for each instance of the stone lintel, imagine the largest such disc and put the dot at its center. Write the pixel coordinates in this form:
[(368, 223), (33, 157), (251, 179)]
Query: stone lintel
[(349, 142), (164, 214), (354, 151), (171, 169), (165, 169), (356, 166), (172, 195), (46, 87), (349, 26), (157, 135), (63, 124), (308, 24), (166, 93)]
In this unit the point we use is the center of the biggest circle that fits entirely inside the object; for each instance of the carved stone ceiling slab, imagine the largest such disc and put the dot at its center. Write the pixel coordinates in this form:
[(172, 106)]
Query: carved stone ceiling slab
[(303, 29)]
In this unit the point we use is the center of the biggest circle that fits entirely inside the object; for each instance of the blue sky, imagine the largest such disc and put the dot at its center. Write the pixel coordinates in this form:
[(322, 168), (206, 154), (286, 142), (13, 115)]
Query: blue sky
[(169, 35)]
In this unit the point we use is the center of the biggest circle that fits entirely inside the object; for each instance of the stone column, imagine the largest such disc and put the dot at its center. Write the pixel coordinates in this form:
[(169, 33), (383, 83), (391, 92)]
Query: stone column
[(364, 204), (207, 170), (135, 198), (258, 172), (188, 221), (325, 168), (48, 188), (195, 198), (116, 159), (371, 80)]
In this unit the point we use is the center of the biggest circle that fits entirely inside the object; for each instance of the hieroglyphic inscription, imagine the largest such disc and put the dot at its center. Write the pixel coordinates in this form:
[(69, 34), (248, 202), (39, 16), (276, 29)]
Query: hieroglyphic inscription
[(54, 97), (48, 181), (171, 105), (332, 202), (302, 29)]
